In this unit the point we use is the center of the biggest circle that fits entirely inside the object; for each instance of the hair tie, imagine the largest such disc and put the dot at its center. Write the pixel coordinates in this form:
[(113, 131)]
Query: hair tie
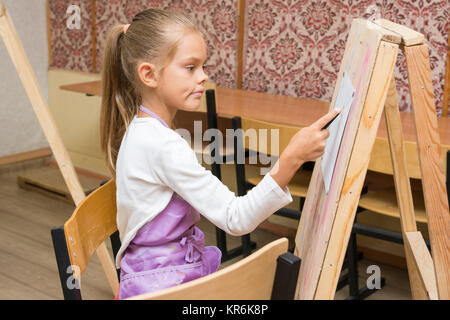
[(125, 28)]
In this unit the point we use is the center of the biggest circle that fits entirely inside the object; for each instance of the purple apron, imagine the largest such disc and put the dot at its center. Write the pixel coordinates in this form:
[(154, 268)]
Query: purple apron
[(168, 250)]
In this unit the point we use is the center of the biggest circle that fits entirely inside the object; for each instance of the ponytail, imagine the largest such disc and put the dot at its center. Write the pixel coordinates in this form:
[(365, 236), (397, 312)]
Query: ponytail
[(152, 36), (120, 102)]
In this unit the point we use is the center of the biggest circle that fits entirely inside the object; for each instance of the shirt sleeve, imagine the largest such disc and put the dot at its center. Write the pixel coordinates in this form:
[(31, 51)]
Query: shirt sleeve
[(178, 168)]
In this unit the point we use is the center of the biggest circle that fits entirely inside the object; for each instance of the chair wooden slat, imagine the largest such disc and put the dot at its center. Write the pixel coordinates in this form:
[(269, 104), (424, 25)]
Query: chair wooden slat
[(250, 278), (92, 222)]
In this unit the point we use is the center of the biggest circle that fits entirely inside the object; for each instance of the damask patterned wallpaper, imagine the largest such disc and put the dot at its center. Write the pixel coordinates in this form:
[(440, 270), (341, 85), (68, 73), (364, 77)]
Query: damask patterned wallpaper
[(295, 47), (291, 47), (72, 49)]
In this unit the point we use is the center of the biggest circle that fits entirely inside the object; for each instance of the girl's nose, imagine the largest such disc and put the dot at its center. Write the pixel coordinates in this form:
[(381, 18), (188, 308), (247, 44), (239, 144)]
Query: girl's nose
[(203, 76)]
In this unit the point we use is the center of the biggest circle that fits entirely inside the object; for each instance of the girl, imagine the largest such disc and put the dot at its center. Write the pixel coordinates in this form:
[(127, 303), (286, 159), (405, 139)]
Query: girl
[(152, 68)]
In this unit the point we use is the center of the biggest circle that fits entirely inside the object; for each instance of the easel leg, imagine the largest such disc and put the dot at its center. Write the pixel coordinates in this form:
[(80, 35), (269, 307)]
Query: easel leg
[(433, 176), (40, 107), (402, 185)]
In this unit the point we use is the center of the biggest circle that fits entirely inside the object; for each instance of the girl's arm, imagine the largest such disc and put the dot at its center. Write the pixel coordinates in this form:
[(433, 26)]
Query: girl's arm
[(307, 145), (175, 165)]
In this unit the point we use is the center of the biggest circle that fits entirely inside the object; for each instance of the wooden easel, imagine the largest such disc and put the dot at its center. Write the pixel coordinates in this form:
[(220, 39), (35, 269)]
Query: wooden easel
[(327, 219), (39, 104)]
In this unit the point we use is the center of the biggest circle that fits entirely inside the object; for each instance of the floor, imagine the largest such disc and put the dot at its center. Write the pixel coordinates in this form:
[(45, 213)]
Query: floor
[(27, 263)]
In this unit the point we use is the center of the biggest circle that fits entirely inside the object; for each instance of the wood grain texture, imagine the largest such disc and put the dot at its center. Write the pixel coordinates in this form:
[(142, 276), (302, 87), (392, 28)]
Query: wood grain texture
[(92, 222), (383, 200), (319, 211), (39, 104), (433, 177), (409, 37), (423, 263), (403, 188), (356, 171), (248, 279), (399, 162)]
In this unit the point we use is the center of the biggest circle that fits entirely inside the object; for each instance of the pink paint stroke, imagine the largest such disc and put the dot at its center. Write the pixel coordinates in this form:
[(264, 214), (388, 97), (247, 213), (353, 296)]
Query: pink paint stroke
[(350, 116)]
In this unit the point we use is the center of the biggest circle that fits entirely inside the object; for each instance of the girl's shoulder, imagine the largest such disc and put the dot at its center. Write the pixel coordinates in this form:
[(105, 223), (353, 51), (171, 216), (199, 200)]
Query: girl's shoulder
[(152, 134)]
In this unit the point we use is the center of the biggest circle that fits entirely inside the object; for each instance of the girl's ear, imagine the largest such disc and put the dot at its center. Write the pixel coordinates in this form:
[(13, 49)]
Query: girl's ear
[(148, 74)]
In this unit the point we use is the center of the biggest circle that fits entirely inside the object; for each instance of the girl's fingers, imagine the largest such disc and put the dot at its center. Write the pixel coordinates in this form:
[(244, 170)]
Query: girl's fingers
[(325, 119), (325, 133)]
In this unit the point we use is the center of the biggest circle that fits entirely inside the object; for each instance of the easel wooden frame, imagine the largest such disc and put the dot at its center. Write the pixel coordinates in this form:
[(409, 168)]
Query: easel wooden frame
[(327, 220), (41, 109)]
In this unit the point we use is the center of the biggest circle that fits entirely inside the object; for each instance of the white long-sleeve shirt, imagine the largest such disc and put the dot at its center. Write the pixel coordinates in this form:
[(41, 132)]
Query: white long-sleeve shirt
[(155, 161)]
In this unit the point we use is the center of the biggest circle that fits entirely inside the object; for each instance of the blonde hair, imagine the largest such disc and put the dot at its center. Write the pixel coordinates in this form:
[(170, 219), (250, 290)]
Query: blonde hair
[(152, 36)]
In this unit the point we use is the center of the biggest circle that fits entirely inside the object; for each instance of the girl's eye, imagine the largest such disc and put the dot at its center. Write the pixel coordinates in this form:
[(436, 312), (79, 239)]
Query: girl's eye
[(190, 68)]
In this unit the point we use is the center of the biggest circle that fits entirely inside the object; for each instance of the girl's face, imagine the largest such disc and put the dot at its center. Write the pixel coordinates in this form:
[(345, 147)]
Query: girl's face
[(180, 84)]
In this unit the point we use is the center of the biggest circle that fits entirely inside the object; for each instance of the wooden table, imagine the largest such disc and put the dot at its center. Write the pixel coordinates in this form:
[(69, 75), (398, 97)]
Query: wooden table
[(280, 109)]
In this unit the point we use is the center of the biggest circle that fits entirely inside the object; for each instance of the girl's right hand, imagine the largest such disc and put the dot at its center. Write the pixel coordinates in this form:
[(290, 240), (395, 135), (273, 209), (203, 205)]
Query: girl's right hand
[(309, 143), (306, 145)]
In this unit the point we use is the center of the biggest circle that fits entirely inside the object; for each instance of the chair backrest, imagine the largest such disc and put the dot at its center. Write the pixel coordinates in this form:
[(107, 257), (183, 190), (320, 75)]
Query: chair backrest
[(265, 134), (93, 221), (251, 278), (381, 152)]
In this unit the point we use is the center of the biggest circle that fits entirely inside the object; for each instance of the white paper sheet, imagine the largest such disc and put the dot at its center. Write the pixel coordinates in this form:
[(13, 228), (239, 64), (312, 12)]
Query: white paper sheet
[(344, 101)]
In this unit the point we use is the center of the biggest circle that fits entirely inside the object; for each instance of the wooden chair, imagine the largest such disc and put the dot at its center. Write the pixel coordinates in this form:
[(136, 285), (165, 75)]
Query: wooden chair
[(92, 222), (224, 157), (298, 185), (270, 272), (380, 197)]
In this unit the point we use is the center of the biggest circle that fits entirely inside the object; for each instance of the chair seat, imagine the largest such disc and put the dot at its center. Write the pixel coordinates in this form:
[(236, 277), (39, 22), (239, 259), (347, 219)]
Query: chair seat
[(298, 185), (384, 201)]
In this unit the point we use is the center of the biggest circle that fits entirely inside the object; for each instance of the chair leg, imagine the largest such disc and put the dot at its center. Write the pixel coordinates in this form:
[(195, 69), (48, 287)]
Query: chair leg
[(115, 244), (355, 292), (352, 266), (247, 245), (286, 275), (302, 203), (221, 239), (70, 286)]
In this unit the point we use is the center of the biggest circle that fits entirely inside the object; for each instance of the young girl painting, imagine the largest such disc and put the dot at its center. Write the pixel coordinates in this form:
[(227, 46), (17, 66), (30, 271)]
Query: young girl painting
[(152, 68)]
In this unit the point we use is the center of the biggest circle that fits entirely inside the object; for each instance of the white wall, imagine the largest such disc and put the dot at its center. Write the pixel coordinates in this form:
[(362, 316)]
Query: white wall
[(20, 130)]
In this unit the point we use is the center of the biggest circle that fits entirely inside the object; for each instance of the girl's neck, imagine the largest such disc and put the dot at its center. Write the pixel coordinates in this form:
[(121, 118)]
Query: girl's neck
[(166, 114)]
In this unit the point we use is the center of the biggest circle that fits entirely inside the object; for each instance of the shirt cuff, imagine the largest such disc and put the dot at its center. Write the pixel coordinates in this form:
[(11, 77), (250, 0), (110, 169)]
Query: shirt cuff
[(283, 194)]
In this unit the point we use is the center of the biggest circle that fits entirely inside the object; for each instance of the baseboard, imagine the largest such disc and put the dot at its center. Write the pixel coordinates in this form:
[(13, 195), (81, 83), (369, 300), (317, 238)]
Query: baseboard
[(83, 172), (24, 156)]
